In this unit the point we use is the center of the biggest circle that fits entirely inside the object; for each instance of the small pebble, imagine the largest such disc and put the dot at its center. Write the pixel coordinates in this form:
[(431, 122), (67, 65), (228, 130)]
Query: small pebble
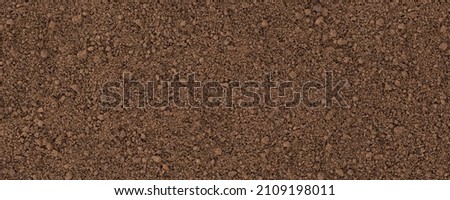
[(90, 49), (182, 23), (156, 159), (68, 176), (330, 115), (333, 33), (52, 25), (138, 22), (399, 130), (264, 24), (40, 123), (9, 22), (320, 176), (342, 42), (328, 147), (58, 140), (82, 54), (308, 12), (77, 19), (443, 46), (319, 20), (379, 22), (404, 74), (265, 140), (217, 151), (293, 74), (232, 174), (324, 12), (317, 8), (75, 88), (350, 172), (48, 146), (443, 29), (339, 172), (43, 54)]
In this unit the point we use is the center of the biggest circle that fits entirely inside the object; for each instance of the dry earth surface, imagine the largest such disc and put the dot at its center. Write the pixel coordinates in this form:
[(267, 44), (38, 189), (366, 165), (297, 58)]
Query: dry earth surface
[(56, 57)]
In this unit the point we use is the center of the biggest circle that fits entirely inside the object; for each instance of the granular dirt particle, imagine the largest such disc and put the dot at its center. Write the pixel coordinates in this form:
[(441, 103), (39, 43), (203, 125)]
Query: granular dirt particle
[(39, 123), (231, 174), (320, 176), (77, 19), (293, 74), (9, 22), (380, 22), (165, 167), (319, 20), (217, 151), (265, 140), (443, 46), (341, 42), (82, 55), (43, 54), (399, 130), (68, 176), (156, 159), (264, 24), (350, 172), (339, 172), (308, 12)]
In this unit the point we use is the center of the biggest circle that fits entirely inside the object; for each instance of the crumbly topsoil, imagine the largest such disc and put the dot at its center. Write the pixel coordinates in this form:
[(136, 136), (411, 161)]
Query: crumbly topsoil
[(55, 58)]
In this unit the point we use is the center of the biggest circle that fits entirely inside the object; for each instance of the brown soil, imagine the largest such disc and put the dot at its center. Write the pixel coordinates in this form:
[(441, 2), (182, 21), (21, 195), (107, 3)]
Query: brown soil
[(55, 58)]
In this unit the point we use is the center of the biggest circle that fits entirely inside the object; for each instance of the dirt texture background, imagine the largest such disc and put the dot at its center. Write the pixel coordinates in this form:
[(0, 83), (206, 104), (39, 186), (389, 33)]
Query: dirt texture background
[(55, 58)]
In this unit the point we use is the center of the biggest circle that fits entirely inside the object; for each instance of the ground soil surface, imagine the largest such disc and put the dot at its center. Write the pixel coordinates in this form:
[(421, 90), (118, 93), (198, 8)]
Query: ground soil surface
[(56, 57)]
